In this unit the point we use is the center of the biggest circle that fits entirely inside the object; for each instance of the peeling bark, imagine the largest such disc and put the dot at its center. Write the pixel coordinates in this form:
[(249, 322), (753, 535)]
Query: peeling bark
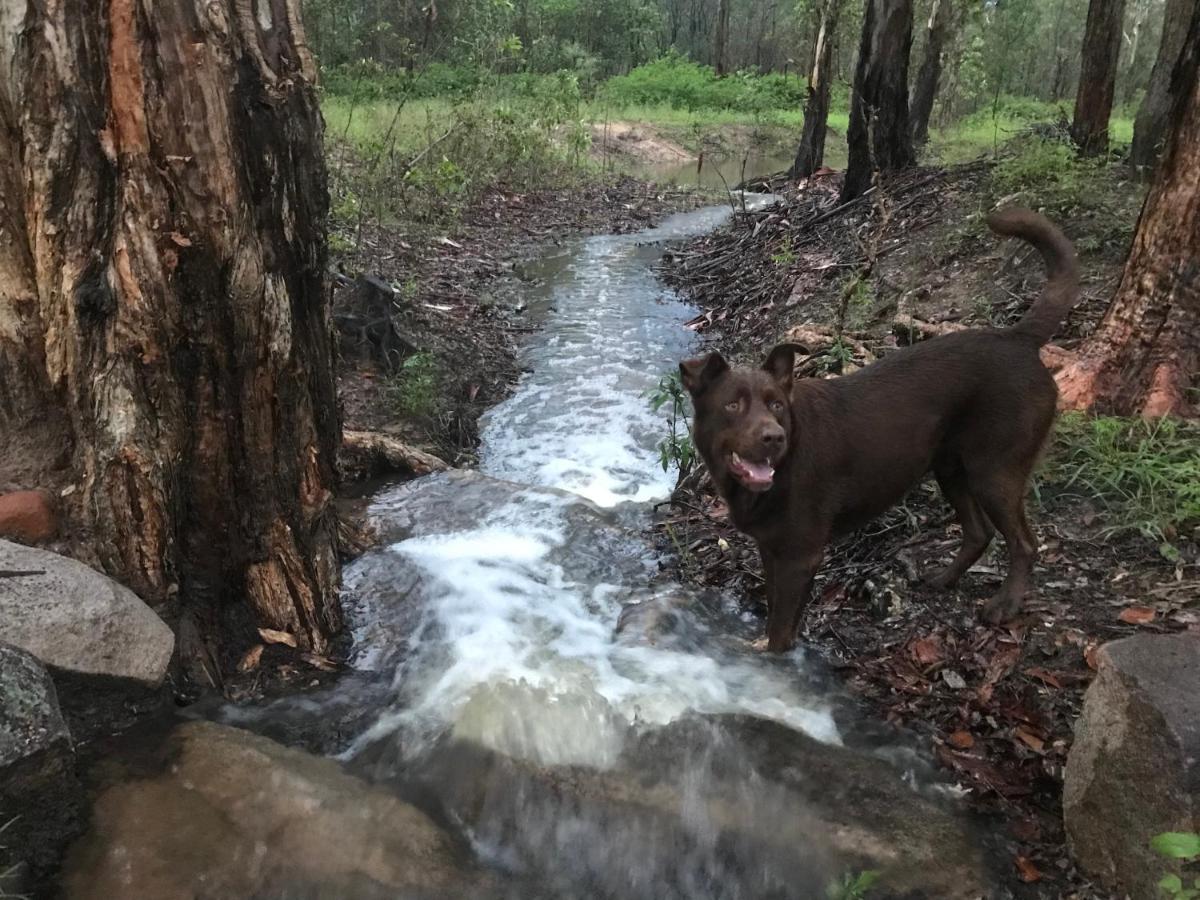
[(1145, 356), (811, 152), (1098, 76), (167, 172)]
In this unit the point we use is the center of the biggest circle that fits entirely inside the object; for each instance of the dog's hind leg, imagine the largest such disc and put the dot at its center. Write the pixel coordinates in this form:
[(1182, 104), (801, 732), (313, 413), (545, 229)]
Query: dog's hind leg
[(1002, 496), (977, 531)]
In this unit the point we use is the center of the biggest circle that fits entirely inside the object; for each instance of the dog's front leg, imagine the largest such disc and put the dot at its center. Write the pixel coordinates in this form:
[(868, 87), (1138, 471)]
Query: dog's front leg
[(793, 577)]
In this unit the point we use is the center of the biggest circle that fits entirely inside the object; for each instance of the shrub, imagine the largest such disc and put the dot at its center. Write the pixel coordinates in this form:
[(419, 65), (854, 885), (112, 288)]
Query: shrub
[(680, 83)]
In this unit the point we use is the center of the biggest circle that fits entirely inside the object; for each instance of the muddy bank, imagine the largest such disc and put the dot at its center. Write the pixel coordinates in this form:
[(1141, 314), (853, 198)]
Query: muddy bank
[(997, 706), (455, 301)]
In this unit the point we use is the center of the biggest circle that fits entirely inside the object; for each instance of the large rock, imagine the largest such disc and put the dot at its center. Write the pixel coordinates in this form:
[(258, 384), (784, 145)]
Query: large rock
[(736, 801), (28, 517), (1134, 770), (38, 789), (74, 618), (231, 814)]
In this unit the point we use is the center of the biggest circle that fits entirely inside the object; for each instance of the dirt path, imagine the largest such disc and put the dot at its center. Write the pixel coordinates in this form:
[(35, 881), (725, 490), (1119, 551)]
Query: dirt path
[(996, 705)]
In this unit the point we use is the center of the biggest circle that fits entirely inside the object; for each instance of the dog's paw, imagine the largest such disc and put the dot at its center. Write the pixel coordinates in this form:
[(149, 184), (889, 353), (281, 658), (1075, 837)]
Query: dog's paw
[(1002, 608), (940, 580)]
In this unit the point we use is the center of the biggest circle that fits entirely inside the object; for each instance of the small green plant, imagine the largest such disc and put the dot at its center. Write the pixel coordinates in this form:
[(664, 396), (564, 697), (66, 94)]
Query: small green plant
[(413, 390), (1183, 846), (853, 886), (1144, 474), (785, 255), (677, 447)]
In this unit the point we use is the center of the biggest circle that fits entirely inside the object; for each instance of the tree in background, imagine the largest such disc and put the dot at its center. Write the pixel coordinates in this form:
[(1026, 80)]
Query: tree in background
[(1150, 127), (1145, 356), (163, 304), (721, 37), (1098, 76), (880, 136), (816, 107), (939, 35)]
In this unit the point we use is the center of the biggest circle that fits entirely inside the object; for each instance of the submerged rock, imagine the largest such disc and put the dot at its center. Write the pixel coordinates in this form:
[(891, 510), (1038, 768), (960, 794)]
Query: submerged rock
[(72, 617), (1134, 770), (232, 814), (728, 806), (38, 789)]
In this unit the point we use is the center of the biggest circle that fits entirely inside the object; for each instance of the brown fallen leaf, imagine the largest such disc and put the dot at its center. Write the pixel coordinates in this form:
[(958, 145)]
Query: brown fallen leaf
[(1137, 615), (271, 636), (1090, 656), (1027, 870), (251, 658), (926, 651), (1044, 676), (1030, 740), (180, 239), (324, 663), (961, 740), (1026, 830)]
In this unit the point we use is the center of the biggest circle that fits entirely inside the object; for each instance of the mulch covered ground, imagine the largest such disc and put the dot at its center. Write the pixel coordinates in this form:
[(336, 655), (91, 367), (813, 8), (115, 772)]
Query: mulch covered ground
[(997, 705)]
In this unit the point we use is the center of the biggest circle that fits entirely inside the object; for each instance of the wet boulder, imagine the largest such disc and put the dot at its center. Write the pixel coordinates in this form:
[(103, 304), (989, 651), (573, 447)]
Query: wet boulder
[(1134, 769), (73, 618), (225, 813), (38, 789)]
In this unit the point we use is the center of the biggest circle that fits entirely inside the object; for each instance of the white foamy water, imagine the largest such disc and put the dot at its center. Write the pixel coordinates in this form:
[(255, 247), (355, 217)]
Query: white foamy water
[(515, 644)]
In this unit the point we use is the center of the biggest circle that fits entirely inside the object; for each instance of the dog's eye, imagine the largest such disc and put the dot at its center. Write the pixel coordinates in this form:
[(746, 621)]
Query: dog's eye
[(776, 406), (733, 405)]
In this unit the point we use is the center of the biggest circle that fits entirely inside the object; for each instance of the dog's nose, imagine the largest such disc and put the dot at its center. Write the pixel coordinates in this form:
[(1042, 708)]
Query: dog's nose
[(772, 437)]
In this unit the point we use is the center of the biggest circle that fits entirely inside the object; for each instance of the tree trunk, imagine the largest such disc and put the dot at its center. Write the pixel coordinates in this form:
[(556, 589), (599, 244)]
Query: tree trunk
[(816, 108), (880, 137), (162, 263), (721, 38), (1145, 356), (1098, 76), (939, 33), (1150, 126)]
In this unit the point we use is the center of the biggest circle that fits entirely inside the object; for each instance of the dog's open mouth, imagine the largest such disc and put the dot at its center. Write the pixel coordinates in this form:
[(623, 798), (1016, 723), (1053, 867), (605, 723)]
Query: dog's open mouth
[(757, 476)]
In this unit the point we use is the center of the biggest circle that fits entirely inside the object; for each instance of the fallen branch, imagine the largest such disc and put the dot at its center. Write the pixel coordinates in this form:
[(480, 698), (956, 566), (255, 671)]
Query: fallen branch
[(368, 454)]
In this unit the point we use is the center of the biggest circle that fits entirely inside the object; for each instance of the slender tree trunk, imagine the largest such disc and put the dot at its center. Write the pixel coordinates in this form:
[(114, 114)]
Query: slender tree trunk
[(162, 264), (816, 108), (940, 32), (1097, 76), (1150, 126), (1145, 356), (880, 136), (721, 38)]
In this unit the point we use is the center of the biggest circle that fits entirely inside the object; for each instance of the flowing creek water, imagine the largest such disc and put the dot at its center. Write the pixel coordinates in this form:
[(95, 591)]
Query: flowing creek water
[(524, 672)]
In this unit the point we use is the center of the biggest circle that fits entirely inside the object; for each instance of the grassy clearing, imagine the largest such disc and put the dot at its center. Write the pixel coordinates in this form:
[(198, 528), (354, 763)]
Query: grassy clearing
[(1144, 476)]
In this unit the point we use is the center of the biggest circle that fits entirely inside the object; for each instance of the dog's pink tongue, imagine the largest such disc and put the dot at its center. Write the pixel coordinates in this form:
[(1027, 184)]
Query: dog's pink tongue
[(758, 473)]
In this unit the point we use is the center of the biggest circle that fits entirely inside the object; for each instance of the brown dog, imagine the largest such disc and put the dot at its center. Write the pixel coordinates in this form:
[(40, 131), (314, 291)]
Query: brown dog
[(799, 462)]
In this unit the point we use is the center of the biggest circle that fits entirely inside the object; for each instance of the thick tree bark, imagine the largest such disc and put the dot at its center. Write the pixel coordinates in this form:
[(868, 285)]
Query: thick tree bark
[(163, 272), (880, 137), (1098, 76), (1150, 126), (939, 34), (1145, 356), (721, 38), (816, 109)]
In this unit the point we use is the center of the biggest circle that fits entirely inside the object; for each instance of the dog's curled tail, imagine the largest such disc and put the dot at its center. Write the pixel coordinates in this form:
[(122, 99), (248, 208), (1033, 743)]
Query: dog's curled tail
[(1062, 269)]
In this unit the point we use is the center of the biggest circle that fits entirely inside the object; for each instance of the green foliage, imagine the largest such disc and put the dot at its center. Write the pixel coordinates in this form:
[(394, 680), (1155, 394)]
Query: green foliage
[(1184, 846), (852, 886), (682, 84), (413, 391), (676, 448), (1145, 475)]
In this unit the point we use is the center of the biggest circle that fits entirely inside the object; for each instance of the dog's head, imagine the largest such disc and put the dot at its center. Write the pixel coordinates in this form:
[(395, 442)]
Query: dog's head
[(743, 416)]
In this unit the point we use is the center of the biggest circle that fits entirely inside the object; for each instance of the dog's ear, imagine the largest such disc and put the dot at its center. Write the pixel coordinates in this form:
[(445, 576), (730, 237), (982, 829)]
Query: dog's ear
[(781, 363), (698, 374)]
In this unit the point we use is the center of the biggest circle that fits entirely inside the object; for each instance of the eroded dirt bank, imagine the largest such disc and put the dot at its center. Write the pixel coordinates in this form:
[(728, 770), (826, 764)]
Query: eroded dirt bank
[(996, 704)]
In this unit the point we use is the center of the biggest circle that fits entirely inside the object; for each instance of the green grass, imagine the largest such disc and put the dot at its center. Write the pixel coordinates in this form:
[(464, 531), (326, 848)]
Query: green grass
[(1144, 476)]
